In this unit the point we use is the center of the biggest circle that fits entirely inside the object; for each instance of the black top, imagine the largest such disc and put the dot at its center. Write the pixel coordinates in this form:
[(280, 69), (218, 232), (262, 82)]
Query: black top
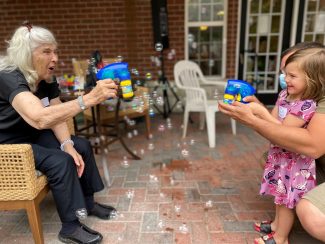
[(13, 128)]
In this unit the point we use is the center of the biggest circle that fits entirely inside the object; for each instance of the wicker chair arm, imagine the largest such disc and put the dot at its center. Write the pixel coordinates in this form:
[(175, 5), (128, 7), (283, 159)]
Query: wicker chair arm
[(17, 172)]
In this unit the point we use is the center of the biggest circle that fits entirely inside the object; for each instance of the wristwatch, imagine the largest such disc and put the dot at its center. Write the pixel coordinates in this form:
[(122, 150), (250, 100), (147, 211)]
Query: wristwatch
[(81, 103)]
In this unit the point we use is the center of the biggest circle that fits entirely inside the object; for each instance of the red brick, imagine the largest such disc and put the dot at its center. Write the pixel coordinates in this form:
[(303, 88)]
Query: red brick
[(228, 238)]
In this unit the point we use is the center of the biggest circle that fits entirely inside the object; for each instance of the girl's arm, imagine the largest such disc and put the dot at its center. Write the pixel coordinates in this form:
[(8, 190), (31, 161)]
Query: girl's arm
[(262, 112), (309, 141), (292, 120)]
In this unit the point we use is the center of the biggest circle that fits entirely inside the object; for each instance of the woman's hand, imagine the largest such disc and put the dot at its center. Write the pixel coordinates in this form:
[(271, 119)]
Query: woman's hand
[(238, 111), (77, 158), (103, 90)]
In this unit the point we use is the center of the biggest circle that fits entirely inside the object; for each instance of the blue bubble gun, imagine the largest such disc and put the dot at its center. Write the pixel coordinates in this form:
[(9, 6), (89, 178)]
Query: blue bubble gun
[(119, 73), (236, 90)]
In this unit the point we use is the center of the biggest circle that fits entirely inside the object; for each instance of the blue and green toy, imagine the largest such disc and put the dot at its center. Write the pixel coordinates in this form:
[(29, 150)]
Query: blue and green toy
[(236, 90), (119, 73)]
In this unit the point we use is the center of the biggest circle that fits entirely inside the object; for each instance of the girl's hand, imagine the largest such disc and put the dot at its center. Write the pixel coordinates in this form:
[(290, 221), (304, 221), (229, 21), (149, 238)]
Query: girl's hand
[(238, 111), (258, 109), (77, 159), (252, 99)]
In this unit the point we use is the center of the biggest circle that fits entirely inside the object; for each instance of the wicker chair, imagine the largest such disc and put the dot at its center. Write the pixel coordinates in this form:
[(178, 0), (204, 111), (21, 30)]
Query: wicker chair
[(20, 185)]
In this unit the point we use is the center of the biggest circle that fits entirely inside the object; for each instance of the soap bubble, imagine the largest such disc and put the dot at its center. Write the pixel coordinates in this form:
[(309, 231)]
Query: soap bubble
[(151, 112), (169, 123), (153, 178), (125, 162), (185, 153), (81, 213), (209, 204), (130, 194), (113, 214), (159, 47), (154, 94), (148, 76), (151, 146), (135, 71), (138, 82), (192, 142), (183, 228), (161, 128), (160, 101), (119, 59), (171, 181), (177, 208), (140, 109), (161, 225)]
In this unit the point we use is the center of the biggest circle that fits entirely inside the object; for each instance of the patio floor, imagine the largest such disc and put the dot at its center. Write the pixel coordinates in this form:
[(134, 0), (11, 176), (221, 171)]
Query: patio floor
[(181, 191)]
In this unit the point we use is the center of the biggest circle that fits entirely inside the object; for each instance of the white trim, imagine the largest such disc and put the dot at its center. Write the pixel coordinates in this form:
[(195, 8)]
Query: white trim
[(294, 21), (238, 38), (186, 30), (224, 39), (304, 22), (209, 23)]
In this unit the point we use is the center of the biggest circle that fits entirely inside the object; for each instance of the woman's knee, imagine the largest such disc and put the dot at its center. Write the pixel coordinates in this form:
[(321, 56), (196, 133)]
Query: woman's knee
[(311, 218), (301, 210), (62, 165), (82, 145)]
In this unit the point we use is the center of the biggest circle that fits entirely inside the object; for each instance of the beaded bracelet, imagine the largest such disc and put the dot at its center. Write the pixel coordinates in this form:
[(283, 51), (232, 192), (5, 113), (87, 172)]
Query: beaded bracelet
[(65, 142)]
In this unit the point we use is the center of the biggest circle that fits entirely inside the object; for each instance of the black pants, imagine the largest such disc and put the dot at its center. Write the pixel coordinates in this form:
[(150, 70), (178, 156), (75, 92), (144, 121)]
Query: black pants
[(67, 188)]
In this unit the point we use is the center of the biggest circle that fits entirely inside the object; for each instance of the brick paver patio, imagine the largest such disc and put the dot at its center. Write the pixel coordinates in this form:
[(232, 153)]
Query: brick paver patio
[(180, 192)]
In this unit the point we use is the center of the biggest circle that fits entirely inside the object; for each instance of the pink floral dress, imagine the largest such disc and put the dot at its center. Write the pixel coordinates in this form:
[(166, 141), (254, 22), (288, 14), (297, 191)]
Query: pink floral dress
[(288, 175)]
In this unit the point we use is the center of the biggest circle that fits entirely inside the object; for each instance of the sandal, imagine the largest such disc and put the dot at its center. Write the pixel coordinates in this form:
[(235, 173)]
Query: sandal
[(268, 239), (264, 227)]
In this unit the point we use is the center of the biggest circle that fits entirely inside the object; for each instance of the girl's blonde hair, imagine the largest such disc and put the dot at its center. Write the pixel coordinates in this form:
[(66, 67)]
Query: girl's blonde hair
[(20, 48), (312, 62)]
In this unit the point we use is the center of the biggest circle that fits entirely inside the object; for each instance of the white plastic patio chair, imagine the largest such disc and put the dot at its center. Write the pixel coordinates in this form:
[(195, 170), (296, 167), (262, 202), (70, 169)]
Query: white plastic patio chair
[(188, 76)]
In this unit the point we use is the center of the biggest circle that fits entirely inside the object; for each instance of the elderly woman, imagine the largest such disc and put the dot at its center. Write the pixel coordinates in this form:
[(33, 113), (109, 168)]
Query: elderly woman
[(31, 112)]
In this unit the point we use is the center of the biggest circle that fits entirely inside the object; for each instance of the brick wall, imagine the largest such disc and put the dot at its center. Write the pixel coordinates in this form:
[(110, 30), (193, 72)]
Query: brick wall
[(115, 27), (231, 38)]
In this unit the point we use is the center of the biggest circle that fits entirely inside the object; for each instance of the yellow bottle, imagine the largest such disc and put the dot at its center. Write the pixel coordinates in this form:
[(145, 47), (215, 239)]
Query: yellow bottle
[(127, 91)]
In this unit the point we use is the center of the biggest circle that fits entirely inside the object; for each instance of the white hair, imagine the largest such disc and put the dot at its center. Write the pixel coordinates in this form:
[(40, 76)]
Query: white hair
[(20, 48)]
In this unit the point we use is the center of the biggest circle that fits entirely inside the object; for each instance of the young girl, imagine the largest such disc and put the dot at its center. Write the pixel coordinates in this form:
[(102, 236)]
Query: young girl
[(289, 175)]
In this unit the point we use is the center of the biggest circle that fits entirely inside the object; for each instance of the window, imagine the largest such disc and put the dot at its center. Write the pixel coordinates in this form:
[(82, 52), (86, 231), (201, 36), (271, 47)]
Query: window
[(205, 31), (314, 28)]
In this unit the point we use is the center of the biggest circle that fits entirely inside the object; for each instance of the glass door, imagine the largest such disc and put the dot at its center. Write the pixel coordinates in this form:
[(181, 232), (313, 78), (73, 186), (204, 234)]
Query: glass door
[(264, 28)]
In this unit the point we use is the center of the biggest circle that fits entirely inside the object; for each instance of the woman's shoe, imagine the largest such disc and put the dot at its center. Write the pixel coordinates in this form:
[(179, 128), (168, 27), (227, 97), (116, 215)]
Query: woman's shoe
[(264, 227), (102, 211), (82, 234)]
